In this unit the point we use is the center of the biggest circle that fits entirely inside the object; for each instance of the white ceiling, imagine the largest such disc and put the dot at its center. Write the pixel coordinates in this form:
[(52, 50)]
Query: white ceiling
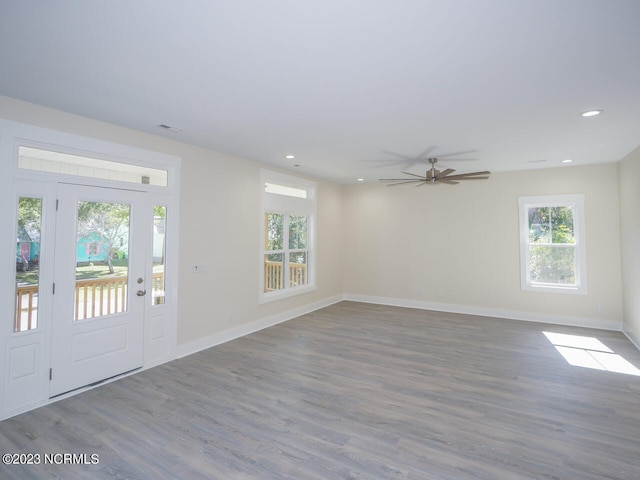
[(347, 86)]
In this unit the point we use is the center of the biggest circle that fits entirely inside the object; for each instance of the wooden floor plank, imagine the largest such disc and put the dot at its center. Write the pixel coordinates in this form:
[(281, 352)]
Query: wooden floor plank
[(354, 391)]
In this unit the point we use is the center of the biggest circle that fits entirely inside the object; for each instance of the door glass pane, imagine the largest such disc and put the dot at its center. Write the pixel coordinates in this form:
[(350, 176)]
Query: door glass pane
[(27, 263), (159, 252), (102, 259)]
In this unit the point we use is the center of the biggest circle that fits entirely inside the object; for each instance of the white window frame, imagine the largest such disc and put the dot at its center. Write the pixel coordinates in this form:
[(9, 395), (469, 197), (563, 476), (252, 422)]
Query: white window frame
[(577, 202), (288, 204)]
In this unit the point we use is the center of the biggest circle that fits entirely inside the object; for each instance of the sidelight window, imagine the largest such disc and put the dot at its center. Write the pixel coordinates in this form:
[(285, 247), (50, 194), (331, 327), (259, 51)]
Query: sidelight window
[(27, 273)]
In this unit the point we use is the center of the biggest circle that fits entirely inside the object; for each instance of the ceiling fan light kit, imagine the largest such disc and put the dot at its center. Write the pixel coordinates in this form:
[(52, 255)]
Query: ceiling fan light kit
[(434, 176)]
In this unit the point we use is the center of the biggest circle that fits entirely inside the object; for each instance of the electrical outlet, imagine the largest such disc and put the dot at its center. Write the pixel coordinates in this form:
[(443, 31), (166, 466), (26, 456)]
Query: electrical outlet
[(601, 308), (199, 267)]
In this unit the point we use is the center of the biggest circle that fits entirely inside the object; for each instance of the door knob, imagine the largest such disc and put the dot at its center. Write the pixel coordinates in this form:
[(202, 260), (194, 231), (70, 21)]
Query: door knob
[(141, 293)]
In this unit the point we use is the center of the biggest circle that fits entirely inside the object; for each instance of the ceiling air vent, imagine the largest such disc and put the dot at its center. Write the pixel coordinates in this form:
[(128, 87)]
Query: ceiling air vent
[(170, 128)]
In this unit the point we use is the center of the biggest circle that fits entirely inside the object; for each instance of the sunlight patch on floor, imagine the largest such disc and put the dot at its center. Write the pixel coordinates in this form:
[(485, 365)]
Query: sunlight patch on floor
[(589, 352)]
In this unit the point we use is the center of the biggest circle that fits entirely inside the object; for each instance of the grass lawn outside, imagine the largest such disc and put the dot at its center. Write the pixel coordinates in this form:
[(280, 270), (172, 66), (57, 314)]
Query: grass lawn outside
[(95, 270)]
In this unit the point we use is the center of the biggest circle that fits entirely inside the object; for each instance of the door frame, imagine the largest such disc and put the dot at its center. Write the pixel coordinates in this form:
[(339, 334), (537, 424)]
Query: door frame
[(30, 389)]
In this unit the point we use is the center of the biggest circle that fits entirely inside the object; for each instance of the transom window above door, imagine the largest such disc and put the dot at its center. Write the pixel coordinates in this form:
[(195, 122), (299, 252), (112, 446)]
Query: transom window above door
[(36, 159)]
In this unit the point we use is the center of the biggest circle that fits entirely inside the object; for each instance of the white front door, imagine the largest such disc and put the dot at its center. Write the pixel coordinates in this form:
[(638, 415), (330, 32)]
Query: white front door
[(99, 285)]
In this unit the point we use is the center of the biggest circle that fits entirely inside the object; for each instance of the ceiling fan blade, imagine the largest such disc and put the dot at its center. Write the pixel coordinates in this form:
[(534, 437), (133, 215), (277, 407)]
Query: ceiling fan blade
[(405, 179), (471, 178), (455, 154), (420, 156), (427, 151), (468, 175), (444, 173), (414, 175), (448, 182), (399, 155), (406, 182)]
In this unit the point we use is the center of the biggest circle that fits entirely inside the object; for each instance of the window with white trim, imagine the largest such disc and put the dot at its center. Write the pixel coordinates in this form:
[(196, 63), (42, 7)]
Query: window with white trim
[(288, 255), (552, 243)]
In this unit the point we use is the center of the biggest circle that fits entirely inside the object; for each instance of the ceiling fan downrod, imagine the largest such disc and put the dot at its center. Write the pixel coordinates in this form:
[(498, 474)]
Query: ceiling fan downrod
[(434, 172)]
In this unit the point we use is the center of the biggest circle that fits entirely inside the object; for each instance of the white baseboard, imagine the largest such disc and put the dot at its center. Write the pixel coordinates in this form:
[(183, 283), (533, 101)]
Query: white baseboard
[(633, 338), (251, 327), (489, 312), (248, 328)]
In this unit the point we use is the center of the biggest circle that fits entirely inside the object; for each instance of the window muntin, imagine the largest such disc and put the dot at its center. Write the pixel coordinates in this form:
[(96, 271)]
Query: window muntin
[(552, 243)]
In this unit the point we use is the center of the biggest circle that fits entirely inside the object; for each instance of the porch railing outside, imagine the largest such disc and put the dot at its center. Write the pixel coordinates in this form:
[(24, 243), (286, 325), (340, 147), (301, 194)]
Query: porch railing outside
[(93, 297), (106, 296), (274, 278), (96, 297), (26, 308)]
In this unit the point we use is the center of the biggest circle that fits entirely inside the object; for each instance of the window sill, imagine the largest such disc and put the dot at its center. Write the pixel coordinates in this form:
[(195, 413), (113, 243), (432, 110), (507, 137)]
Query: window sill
[(285, 293), (570, 290)]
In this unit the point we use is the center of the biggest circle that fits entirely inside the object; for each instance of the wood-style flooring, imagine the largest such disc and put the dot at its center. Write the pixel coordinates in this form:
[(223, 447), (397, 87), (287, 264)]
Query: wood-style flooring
[(353, 391)]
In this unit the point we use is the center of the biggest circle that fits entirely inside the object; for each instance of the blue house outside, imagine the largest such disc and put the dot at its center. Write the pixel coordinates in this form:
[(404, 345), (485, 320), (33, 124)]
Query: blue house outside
[(92, 248), (27, 249)]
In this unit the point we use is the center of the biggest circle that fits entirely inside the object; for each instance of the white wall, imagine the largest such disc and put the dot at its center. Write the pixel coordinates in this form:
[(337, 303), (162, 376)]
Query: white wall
[(629, 176), (220, 226), (437, 246), (456, 247)]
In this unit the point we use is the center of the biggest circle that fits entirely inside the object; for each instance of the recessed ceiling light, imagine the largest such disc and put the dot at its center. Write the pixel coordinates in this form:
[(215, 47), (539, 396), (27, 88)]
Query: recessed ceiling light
[(290, 157), (567, 160), (360, 179), (591, 113)]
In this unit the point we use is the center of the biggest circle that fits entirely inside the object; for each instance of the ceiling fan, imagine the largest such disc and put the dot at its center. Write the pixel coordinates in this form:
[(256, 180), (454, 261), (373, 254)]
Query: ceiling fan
[(434, 176)]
